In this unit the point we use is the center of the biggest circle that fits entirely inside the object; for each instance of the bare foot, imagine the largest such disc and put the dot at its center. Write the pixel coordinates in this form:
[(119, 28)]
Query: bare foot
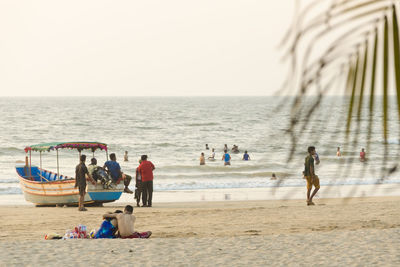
[(310, 203)]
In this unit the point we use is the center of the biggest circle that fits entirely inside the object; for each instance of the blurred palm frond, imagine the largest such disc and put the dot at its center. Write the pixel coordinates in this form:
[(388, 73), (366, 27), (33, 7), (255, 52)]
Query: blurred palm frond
[(355, 42)]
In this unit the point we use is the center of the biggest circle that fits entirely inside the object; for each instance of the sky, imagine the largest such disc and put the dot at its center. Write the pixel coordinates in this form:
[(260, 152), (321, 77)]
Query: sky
[(142, 48)]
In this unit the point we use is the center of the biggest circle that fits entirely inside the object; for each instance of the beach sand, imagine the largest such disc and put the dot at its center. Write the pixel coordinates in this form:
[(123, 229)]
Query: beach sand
[(335, 232)]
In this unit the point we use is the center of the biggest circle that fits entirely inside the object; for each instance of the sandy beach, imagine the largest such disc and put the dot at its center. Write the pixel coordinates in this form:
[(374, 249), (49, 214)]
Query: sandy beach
[(351, 231)]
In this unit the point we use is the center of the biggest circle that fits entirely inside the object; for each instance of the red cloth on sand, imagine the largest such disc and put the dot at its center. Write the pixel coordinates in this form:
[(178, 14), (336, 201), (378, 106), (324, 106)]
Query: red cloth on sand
[(138, 235)]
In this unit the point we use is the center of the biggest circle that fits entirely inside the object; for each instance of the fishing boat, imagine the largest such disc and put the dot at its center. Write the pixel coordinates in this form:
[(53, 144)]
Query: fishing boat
[(49, 188)]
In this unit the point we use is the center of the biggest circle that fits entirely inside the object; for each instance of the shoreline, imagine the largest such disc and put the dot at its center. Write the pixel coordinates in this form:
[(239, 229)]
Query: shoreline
[(245, 194)]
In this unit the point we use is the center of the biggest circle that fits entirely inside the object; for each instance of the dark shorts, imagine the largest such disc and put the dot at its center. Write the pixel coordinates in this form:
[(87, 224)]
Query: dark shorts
[(82, 190)]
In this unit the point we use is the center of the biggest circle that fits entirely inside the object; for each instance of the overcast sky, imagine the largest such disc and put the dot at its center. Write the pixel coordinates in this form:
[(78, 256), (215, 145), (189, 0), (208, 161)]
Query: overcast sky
[(142, 48)]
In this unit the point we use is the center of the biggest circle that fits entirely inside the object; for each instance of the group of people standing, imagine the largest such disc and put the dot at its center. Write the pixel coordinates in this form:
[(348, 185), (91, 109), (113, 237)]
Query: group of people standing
[(144, 178), (226, 157)]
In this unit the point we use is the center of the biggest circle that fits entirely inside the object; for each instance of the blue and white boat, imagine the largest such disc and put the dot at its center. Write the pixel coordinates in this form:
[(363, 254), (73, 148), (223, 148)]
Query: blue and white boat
[(48, 188)]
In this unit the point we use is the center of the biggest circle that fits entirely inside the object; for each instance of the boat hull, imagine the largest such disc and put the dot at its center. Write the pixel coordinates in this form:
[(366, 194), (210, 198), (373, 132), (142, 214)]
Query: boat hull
[(63, 192)]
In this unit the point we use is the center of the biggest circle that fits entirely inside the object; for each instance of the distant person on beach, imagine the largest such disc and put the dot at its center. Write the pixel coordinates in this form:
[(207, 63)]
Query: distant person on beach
[(114, 169), (310, 176), (246, 156), (226, 147), (226, 158), (126, 156), (207, 148), (125, 223), (212, 157), (138, 190), (202, 159), (362, 155), (273, 177), (81, 172), (146, 171), (338, 153)]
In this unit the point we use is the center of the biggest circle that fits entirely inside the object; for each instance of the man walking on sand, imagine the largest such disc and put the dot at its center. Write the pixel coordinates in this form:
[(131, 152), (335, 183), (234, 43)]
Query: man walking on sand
[(146, 171), (80, 181), (309, 175)]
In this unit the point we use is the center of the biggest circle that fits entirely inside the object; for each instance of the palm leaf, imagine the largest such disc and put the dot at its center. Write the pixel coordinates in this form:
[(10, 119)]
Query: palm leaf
[(365, 34)]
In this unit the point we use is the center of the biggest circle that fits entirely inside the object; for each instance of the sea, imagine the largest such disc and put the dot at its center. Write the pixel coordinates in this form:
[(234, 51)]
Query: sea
[(173, 132)]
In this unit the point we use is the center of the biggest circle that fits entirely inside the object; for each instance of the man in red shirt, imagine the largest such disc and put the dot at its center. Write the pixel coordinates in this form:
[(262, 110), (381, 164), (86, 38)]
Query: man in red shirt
[(146, 171)]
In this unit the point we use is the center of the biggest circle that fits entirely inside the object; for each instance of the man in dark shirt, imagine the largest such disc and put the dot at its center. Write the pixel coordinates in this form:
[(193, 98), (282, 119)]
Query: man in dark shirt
[(80, 181), (114, 169), (146, 171), (309, 175)]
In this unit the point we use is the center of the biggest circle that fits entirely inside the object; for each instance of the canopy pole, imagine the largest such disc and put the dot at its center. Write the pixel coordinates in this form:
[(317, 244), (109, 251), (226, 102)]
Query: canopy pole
[(93, 154), (40, 159), (58, 168), (30, 163), (106, 155)]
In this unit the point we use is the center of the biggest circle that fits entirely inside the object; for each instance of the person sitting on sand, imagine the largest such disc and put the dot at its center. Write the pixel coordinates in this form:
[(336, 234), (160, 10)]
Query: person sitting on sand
[(212, 157), (338, 153), (310, 176), (125, 223), (108, 228), (246, 156), (114, 169), (202, 159), (226, 158), (362, 155)]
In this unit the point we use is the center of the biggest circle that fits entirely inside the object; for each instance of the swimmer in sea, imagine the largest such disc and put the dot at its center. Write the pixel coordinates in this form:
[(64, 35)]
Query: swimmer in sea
[(235, 149), (202, 159), (212, 157), (362, 155), (273, 176), (207, 148), (226, 147), (246, 156), (338, 153), (226, 158), (126, 156)]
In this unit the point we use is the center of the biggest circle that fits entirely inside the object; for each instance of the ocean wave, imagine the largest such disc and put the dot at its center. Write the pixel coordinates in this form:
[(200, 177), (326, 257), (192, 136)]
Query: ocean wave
[(11, 150), (148, 127), (10, 191), (257, 183), (210, 168), (202, 124), (9, 181), (209, 175)]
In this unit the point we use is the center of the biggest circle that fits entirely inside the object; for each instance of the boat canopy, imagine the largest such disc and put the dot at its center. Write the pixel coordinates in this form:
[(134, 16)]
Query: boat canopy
[(71, 145)]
